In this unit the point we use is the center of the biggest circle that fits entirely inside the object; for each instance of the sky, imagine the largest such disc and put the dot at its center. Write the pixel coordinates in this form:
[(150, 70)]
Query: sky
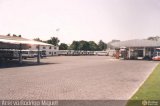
[(80, 19)]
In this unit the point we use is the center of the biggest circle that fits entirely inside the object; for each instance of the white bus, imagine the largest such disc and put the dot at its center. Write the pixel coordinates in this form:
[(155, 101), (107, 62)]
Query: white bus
[(14, 54), (101, 53)]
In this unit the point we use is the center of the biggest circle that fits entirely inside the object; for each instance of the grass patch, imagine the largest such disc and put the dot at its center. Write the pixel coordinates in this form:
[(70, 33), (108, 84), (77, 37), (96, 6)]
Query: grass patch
[(150, 90)]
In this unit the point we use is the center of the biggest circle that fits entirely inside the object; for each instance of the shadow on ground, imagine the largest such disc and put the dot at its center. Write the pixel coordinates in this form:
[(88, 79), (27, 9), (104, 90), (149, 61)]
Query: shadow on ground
[(15, 63)]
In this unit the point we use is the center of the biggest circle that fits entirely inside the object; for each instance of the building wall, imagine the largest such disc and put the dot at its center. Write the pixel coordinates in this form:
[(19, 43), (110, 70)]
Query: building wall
[(50, 50)]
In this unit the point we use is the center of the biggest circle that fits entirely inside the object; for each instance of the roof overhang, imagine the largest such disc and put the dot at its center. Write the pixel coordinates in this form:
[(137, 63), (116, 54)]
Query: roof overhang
[(136, 44), (8, 42), (29, 42)]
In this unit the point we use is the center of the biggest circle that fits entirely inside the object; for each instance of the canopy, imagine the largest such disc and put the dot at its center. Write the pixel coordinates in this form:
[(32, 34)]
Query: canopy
[(14, 40), (136, 43)]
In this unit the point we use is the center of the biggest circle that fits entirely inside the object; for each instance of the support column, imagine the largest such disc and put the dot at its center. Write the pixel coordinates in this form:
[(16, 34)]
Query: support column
[(129, 53), (20, 53), (38, 54), (144, 52)]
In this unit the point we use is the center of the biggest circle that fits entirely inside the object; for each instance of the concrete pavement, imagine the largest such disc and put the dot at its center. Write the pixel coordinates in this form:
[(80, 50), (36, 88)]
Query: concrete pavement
[(76, 78)]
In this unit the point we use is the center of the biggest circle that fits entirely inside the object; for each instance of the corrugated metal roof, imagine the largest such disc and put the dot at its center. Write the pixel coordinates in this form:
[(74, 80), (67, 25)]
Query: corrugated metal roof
[(137, 43), (12, 37), (19, 40)]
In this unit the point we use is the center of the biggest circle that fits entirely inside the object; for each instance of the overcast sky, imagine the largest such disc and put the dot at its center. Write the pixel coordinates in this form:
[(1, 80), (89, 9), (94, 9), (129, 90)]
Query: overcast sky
[(81, 19)]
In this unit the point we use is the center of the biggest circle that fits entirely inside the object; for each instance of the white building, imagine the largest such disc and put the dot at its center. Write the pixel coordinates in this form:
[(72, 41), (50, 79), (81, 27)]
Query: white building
[(50, 50)]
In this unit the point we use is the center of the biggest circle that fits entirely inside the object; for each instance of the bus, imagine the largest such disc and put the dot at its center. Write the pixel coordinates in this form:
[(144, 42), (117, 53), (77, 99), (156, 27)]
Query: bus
[(156, 54), (101, 53), (8, 54), (14, 54)]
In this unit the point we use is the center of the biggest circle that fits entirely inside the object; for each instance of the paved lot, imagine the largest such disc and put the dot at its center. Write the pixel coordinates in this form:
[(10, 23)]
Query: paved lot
[(82, 77)]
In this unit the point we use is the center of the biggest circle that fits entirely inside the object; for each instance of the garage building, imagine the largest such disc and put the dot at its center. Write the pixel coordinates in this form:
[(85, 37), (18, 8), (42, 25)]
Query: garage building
[(136, 49)]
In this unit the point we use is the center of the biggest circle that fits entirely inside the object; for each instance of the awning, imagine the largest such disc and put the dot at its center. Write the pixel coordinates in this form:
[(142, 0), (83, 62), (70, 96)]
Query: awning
[(136, 43), (31, 42)]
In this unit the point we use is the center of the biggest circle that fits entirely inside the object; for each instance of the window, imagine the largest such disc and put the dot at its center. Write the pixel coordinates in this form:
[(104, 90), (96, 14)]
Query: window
[(50, 47), (49, 52), (44, 47), (55, 47)]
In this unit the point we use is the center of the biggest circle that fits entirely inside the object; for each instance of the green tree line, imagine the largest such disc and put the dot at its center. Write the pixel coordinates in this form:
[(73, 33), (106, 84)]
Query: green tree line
[(88, 45), (77, 45)]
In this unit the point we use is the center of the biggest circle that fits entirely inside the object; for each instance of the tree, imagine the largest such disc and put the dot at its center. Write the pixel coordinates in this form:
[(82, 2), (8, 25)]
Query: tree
[(74, 45), (102, 45), (54, 41), (9, 34), (88, 46), (93, 46), (84, 45), (63, 46), (156, 38), (37, 39), (14, 35), (20, 36)]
